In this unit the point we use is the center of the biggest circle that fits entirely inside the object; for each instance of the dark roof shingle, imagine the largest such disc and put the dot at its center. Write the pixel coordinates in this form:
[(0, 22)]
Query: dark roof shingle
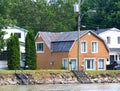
[(61, 46)]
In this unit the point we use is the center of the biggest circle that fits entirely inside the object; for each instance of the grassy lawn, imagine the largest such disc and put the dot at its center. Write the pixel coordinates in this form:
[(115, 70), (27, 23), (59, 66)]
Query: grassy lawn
[(32, 71), (95, 73)]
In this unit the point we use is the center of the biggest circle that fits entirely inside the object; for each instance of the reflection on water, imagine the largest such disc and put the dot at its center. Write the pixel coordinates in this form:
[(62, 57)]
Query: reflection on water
[(63, 87)]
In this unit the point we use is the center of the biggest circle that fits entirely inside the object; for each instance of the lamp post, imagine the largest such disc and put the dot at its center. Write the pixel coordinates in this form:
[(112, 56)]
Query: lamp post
[(77, 9)]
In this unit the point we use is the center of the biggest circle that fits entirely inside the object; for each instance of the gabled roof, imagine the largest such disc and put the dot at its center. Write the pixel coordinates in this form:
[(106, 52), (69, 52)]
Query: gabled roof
[(48, 37), (63, 41), (104, 30), (16, 27)]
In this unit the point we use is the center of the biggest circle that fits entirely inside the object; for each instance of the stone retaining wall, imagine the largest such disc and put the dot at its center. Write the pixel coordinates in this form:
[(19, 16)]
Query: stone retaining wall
[(54, 78)]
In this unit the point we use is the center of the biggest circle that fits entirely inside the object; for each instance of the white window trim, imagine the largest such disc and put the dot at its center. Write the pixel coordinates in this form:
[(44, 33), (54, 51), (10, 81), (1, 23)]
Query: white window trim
[(81, 47), (43, 47), (76, 63), (98, 64), (97, 47), (94, 68), (67, 62)]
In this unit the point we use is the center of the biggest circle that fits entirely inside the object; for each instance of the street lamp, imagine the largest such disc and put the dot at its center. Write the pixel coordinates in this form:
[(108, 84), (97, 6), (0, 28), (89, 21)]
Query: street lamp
[(77, 9)]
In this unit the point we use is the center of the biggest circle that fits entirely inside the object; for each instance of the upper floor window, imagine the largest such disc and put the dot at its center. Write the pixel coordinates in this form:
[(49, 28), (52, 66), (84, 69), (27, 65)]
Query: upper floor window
[(40, 47), (108, 40), (18, 34), (83, 47), (118, 40), (94, 47)]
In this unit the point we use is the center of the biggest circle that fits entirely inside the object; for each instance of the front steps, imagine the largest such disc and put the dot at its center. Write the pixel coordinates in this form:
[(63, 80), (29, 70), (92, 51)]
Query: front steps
[(81, 76)]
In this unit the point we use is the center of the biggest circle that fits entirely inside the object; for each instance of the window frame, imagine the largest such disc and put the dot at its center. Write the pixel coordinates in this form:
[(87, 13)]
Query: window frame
[(40, 51), (94, 48), (102, 65), (63, 61), (85, 47), (93, 64)]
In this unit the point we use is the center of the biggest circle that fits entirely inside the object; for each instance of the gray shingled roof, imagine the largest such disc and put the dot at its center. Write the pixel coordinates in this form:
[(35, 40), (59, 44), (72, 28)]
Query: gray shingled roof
[(69, 36), (61, 46), (49, 37), (62, 41), (103, 30), (115, 50)]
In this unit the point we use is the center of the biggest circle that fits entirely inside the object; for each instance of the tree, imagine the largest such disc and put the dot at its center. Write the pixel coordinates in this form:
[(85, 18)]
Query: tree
[(30, 49), (13, 52), (41, 16), (4, 20)]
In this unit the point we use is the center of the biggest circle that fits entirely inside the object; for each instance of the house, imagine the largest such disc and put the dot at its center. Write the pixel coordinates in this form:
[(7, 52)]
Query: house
[(112, 38), (21, 35), (56, 50)]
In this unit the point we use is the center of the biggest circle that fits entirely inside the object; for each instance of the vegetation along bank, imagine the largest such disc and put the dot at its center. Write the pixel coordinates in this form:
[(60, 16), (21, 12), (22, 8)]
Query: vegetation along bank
[(56, 77)]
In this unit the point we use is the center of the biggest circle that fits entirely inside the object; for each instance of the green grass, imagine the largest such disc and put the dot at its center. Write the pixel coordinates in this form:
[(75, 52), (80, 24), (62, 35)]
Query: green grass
[(95, 73), (31, 71)]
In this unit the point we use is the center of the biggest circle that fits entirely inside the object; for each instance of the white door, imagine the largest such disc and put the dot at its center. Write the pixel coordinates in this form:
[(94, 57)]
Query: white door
[(73, 64), (89, 64)]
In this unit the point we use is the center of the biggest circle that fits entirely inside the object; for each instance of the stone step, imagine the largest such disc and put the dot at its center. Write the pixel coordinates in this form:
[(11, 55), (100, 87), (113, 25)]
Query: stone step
[(81, 76)]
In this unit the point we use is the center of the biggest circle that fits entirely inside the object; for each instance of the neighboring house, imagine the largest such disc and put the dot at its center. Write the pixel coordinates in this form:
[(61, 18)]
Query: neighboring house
[(21, 35), (55, 50), (112, 38)]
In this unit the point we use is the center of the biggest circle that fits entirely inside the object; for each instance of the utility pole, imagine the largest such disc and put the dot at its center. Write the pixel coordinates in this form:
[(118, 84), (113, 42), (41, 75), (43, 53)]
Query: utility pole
[(79, 23)]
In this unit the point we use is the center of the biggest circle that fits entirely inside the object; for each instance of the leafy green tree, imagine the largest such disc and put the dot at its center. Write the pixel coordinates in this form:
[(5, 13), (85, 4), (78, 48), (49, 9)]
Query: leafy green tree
[(30, 49), (41, 16), (13, 52), (4, 20)]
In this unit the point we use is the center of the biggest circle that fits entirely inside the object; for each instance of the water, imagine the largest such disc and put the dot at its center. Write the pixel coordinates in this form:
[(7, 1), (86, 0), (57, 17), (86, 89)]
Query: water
[(63, 87)]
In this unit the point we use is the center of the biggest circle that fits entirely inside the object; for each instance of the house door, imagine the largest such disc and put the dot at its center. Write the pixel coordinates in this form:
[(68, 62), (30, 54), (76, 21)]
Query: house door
[(73, 65), (89, 64)]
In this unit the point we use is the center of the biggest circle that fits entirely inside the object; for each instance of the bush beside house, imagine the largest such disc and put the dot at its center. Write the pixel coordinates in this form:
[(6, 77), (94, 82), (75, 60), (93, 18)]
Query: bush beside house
[(30, 58), (13, 52)]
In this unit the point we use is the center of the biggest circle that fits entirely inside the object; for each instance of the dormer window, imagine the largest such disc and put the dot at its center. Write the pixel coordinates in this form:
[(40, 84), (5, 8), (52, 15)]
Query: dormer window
[(108, 40), (18, 34)]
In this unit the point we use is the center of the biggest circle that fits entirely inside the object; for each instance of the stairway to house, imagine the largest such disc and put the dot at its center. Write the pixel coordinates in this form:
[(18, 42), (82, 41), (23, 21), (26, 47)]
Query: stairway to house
[(82, 77), (23, 78)]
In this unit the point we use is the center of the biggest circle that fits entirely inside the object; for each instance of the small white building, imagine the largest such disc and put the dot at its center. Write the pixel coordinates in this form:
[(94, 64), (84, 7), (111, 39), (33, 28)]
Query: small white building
[(112, 38), (21, 35)]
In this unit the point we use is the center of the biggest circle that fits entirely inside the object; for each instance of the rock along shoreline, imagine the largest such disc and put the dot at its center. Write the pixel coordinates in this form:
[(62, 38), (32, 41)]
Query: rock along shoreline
[(55, 78)]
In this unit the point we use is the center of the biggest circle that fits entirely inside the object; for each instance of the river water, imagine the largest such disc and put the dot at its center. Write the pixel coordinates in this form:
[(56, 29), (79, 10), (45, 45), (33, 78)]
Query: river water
[(63, 87)]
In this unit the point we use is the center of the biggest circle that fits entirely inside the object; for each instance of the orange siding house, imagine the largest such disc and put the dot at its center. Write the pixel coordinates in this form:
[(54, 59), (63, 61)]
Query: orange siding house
[(59, 50)]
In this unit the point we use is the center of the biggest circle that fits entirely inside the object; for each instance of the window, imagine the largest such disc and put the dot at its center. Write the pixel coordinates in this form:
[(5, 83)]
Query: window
[(73, 65), (18, 34), (101, 64), (89, 64), (108, 40), (3, 56), (94, 47), (40, 47), (118, 40), (83, 47), (65, 63)]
